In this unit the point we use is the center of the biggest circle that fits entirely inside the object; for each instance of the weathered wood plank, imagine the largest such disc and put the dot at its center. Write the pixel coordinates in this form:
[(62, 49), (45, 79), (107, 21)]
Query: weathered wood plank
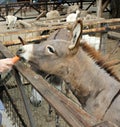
[(91, 22), (105, 5), (17, 42), (101, 20), (105, 124), (88, 22), (114, 35), (99, 8), (101, 29), (72, 114)]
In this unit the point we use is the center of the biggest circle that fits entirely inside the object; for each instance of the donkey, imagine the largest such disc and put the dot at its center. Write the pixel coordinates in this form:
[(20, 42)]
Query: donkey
[(90, 79)]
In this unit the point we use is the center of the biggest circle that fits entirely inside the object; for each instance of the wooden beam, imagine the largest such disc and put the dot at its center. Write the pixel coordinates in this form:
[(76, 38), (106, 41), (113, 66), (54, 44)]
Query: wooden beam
[(101, 29), (105, 5), (101, 20), (17, 42), (99, 8), (41, 14), (105, 124), (58, 26), (114, 35), (112, 63)]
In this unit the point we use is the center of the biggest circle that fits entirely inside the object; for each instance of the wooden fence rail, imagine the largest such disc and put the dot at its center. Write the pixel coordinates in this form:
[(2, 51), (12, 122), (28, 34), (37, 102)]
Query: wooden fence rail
[(57, 26)]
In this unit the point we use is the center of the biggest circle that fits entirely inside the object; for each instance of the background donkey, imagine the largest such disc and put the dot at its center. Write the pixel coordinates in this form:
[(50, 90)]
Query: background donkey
[(91, 81)]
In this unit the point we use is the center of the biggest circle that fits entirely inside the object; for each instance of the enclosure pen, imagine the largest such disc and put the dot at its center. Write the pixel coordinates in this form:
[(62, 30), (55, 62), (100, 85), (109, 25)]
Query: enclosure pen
[(32, 100), (70, 106), (11, 37)]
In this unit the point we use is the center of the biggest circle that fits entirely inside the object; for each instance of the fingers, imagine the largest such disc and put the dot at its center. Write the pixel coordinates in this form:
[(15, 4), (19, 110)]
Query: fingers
[(6, 64), (7, 61), (5, 68)]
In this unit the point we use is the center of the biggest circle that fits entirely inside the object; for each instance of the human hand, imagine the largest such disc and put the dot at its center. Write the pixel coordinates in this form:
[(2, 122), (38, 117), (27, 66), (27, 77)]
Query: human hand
[(6, 64)]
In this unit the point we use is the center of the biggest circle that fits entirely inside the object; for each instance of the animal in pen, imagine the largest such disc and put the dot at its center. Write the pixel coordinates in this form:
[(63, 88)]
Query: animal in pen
[(11, 21), (90, 79), (36, 98), (73, 16), (72, 8), (53, 14)]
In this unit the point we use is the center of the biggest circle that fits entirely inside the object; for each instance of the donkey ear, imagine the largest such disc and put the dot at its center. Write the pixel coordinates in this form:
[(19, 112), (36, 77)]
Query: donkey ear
[(21, 40), (76, 34)]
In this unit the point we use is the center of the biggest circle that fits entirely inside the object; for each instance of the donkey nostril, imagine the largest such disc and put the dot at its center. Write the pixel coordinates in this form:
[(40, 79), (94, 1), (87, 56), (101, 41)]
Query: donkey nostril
[(20, 51)]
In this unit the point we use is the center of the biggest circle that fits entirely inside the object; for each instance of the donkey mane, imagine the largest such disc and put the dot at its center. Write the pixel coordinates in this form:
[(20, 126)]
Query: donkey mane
[(99, 60)]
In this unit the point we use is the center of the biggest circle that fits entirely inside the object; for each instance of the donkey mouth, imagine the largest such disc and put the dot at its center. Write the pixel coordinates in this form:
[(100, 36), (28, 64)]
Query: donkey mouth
[(20, 56)]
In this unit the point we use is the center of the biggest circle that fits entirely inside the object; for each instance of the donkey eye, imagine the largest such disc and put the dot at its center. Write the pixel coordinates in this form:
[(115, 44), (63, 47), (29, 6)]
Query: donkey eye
[(50, 49)]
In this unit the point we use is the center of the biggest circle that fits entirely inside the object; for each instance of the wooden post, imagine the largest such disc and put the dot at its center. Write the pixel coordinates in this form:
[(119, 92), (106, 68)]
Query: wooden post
[(114, 35), (102, 35), (99, 8), (115, 8), (31, 1), (105, 5), (103, 41)]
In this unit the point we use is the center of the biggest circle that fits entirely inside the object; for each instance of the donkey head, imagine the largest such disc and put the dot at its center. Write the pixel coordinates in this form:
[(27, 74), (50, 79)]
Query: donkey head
[(53, 56)]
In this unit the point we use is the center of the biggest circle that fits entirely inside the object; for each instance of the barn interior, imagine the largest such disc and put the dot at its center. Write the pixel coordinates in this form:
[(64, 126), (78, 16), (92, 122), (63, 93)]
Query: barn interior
[(36, 20)]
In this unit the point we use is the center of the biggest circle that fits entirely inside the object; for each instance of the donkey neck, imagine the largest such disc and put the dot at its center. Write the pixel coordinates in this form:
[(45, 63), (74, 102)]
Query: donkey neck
[(93, 86)]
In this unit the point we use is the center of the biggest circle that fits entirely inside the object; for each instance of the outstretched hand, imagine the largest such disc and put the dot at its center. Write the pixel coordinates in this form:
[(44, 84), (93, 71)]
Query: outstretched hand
[(6, 64)]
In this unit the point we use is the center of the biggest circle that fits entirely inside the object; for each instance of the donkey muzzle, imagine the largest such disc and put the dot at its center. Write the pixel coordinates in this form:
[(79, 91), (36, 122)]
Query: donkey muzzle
[(20, 51)]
